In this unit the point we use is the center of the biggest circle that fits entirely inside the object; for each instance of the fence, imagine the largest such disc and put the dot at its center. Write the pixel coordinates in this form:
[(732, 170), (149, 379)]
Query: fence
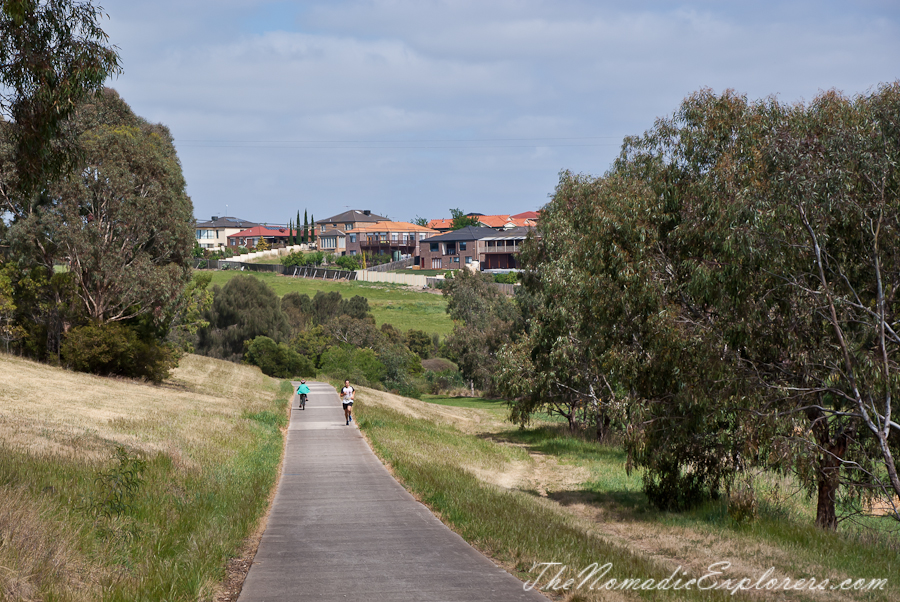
[(323, 273), (408, 279), (394, 265)]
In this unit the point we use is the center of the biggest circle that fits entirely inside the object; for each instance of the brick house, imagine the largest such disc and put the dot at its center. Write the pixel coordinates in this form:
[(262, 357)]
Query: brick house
[(477, 248), (386, 237), (452, 250), (346, 221)]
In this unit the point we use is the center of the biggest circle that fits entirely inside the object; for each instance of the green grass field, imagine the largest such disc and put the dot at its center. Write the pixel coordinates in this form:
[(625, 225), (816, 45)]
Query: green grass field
[(393, 304)]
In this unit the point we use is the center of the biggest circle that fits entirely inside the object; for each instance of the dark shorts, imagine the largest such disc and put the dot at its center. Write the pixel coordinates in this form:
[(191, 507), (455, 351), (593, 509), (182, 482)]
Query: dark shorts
[(347, 405)]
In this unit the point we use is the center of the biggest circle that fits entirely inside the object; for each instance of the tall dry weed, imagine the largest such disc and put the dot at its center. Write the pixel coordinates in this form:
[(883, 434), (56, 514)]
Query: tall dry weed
[(38, 552)]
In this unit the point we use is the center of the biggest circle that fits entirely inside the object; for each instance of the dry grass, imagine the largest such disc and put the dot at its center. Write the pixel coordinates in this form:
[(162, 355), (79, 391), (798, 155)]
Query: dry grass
[(45, 410), (209, 455)]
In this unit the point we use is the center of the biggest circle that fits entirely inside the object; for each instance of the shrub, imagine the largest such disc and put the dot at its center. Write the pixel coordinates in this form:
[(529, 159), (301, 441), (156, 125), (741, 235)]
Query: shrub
[(243, 250), (419, 342), (277, 359), (347, 262), (116, 349), (509, 278)]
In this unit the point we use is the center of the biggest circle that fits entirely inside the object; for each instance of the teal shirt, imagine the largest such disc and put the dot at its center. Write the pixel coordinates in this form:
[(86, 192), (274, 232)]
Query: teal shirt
[(302, 389)]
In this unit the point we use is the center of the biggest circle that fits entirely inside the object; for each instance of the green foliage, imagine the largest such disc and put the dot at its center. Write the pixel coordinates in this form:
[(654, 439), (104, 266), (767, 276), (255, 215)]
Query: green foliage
[(420, 221), (420, 343), (510, 278), (123, 222), (461, 220), (301, 258), (242, 310), (360, 366), (348, 262), (277, 359), (311, 344), (117, 486), (117, 349), (485, 320), (188, 314), (54, 55), (722, 290)]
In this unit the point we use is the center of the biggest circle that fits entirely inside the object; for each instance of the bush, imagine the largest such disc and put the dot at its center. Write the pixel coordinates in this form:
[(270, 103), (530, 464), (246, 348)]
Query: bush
[(509, 278), (443, 381), (243, 250), (277, 359), (347, 262), (115, 349), (420, 343)]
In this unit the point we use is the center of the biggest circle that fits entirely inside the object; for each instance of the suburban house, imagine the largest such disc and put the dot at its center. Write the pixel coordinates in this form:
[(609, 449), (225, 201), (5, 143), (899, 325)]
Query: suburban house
[(386, 237), (478, 248), (333, 240), (346, 221), (452, 250), (214, 233), (498, 251), (251, 236)]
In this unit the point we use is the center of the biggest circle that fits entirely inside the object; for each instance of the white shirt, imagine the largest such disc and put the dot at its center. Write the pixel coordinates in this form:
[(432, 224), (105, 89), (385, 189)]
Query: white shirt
[(346, 394)]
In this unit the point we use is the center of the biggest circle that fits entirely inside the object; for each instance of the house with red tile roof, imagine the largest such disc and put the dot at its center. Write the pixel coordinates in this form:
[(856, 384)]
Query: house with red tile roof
[(250, 237)]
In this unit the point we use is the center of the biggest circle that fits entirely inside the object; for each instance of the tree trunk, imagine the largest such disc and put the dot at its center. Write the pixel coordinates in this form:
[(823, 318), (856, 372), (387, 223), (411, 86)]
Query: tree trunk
[(829, 473)]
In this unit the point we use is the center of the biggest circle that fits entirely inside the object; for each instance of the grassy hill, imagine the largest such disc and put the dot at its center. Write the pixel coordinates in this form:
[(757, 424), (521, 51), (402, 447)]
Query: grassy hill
[(117, 490), (394, 304)]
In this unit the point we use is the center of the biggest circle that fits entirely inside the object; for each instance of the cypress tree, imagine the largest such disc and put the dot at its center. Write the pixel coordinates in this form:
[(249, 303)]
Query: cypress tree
[(305, 226), (312, 230)]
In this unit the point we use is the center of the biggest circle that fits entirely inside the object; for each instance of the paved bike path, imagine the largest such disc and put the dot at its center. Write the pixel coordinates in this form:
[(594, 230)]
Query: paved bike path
[(341, 528)]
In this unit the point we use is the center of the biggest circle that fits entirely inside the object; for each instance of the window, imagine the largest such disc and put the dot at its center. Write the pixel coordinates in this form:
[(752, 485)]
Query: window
[(435, 247), (462, 246), (422, 236), (456, 260), (436, 263), (348, 226), (468, 259), (353, 238), (395, 236), (353, 251), (324, 227), (206, 234)]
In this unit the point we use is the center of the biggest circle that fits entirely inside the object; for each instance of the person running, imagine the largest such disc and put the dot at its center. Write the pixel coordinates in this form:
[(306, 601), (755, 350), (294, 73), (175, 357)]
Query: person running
[(347, 395), (302, 392)]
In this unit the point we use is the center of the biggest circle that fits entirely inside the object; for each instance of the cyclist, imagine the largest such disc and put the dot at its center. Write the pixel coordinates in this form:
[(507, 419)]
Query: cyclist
[(303, 391)]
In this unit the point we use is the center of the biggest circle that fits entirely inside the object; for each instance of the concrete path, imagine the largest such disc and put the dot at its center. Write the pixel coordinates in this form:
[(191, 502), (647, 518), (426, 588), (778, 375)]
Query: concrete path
[(341, 528)]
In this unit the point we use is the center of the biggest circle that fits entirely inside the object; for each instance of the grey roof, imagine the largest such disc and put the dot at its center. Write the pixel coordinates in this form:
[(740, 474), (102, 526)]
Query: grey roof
[(333, 232), (467, 233), (354, 215), (227, 222), (517, 232)]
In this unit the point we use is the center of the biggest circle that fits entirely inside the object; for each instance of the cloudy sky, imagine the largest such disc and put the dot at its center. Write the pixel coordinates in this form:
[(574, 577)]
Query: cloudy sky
[(411, 107)]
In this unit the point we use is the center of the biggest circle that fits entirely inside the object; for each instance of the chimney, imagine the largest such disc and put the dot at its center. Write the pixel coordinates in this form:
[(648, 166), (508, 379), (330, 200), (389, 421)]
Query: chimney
[(215, 217), (367, 212)]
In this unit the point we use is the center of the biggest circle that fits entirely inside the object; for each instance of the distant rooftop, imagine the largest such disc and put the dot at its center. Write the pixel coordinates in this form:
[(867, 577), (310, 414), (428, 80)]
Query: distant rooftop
[(352, 216), (226, 222)]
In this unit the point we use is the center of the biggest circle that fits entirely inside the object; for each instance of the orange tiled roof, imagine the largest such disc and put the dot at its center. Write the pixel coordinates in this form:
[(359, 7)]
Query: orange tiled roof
[(438, 224), (391, 227)]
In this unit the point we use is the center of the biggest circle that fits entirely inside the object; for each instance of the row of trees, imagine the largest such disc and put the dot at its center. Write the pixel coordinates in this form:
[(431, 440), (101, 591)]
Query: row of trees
[(296, 235), (727, 297), (96, 227)]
